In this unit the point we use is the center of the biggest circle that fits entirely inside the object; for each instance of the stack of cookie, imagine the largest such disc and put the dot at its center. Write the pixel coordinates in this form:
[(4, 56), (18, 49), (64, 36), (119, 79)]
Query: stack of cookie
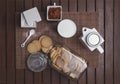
[(44, 43)]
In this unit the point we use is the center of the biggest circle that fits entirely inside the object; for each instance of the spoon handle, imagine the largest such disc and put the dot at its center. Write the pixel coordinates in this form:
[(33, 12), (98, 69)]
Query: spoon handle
[(23, 44)]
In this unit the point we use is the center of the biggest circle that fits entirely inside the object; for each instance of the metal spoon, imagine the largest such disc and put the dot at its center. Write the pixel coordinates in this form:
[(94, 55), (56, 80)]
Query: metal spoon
[(31, 32)]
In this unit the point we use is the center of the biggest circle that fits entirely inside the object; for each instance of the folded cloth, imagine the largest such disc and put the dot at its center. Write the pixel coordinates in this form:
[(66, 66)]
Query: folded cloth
[(30, 17), (24, 23)]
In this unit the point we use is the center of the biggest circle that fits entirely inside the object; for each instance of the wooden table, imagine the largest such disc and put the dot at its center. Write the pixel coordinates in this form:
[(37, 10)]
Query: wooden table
[(49, 28), (108, 70)]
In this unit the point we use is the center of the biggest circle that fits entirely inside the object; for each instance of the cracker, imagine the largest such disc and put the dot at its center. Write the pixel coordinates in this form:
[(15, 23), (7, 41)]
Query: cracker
[(46, 42), (37, 44), (32, 48)]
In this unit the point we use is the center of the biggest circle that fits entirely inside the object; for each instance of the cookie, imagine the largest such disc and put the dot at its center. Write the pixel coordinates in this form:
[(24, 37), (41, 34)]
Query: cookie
[(45, 50), (43, 36), (53, 54), (32, 48), (37, 44), (46, 42)]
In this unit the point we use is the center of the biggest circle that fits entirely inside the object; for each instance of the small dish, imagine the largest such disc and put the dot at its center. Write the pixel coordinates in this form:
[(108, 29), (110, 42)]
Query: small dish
[(67, 28), (54, 13)]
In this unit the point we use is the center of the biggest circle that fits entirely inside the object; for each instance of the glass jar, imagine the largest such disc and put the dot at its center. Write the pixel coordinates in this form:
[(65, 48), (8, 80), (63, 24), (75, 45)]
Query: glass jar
[(37, 62)]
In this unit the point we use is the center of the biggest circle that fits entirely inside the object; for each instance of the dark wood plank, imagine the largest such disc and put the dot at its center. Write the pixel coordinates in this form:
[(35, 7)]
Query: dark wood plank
[(109, 42), (73, 5), (116, 42), (91, 71), (20, 76), (38, 78), (90, 76), (65, 5), (55, 1), (10, 42), (20, 73), (83, 78), (29, 77), (19, 5), (64, 80), (38, 4), (82, 6), (100, 69), (28, 4), (45, 3), (3, 43), (47, 76), (90, 5), (55, 77)]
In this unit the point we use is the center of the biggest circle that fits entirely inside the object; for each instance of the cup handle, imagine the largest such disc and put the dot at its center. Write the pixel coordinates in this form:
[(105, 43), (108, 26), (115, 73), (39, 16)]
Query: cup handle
[(100, 49)]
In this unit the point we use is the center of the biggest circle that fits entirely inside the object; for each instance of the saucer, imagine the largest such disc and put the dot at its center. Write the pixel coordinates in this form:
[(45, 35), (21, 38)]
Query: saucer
[(67, 28)]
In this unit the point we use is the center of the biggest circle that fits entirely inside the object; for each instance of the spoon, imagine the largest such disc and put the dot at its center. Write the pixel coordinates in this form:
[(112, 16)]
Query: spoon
[(31, 32)]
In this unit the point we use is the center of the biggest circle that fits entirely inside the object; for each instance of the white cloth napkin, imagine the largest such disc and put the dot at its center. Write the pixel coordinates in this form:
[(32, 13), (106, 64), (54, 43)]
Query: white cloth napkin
[(29, 18)]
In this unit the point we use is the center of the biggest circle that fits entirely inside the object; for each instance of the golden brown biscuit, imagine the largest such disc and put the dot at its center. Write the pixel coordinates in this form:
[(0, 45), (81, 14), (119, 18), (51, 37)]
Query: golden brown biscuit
[(59, 50), (43, 36), (54, 60), (46, 42), (37, 44), (45, 50), (53, 54), (32, 48)]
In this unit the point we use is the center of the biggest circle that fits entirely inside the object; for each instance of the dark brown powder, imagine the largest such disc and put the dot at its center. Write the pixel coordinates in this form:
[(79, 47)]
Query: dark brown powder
[(54, 13)]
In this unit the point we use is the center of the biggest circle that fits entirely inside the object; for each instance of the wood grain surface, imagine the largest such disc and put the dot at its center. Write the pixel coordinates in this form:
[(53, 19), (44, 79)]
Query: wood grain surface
[(108, 68)]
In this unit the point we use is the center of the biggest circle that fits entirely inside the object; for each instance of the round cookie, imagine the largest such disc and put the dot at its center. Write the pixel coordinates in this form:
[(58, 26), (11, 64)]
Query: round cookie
[(32, 48), (46, 42), (45, 50), (43, 36), (37, 44)]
